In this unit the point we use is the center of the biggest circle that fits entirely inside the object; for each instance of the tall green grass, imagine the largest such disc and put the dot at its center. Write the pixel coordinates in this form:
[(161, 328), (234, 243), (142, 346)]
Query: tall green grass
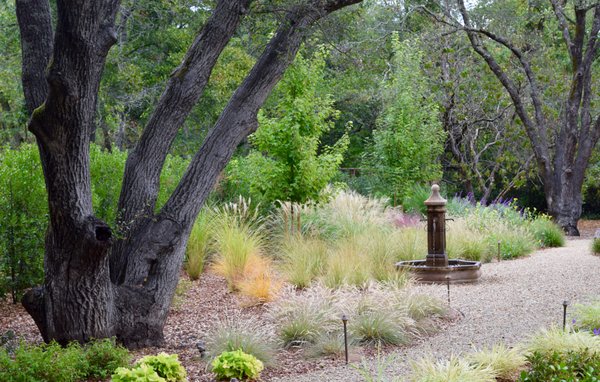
[(198, 245), (452, 370)]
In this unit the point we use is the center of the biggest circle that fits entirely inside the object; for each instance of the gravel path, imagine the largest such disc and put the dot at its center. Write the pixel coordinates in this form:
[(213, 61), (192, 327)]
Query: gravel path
[(512, 301)]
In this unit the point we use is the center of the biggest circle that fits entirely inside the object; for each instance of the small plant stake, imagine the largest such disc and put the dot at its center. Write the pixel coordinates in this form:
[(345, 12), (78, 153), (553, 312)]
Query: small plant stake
[(565, 304), (448, 287), (345, 322), (499, 255)]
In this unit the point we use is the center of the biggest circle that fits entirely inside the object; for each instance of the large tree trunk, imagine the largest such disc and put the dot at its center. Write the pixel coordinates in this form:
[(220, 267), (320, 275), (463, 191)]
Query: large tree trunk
[(85, 295)]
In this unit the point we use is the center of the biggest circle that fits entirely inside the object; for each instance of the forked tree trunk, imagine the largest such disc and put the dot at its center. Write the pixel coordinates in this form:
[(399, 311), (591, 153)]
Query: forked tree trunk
[(96, 286)]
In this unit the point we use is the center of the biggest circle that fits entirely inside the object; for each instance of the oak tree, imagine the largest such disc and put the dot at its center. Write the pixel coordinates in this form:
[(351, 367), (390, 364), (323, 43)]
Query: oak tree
[(98, 284)]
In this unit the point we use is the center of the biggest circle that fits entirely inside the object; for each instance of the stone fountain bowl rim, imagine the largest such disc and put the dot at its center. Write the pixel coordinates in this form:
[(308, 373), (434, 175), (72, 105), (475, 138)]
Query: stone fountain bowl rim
[(454, 265)]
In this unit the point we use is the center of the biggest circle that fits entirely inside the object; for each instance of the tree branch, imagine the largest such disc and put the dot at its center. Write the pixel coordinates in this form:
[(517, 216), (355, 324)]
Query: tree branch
[(535, 132), (35, 25), (238, 119), (184, 88)]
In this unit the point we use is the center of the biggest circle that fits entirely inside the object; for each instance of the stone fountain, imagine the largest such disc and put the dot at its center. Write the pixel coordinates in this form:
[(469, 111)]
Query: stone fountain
[(436, 268)]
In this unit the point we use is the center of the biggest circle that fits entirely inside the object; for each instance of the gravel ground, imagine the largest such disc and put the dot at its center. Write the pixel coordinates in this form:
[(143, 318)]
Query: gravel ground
[(512, 300)]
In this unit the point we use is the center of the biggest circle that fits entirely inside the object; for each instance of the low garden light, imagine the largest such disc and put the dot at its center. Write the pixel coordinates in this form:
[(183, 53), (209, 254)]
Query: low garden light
[(565, 304), (448, 288), (345, 322)]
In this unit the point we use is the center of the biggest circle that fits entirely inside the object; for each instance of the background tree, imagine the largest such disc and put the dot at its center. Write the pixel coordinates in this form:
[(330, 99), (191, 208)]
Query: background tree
[(84, 294), (562, 136), (287, 161), (408, 140)]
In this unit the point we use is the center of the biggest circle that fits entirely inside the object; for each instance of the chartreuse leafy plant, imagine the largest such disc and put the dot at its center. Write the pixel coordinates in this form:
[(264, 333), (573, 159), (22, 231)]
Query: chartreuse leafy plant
[(572, 366), (236, 364), (153, 368)]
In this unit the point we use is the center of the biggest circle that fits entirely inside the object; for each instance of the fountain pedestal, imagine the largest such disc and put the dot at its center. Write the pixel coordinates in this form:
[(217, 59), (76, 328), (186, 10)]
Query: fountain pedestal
[(436, 268)]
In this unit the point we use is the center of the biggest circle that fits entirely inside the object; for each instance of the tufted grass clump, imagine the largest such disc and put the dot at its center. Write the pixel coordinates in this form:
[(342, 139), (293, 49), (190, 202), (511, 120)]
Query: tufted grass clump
[(514, 241), (452, 370), (506, 363), (238, 241), (596, 246), (378, 314), (546, 232), (303, 259), (555, 340), (587, 317), (198, 245), (236, 332), (466, 243)]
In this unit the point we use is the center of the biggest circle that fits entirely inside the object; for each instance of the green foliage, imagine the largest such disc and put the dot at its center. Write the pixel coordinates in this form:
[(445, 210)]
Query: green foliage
[(167, 366), (288, 162), (24, 218), (198, 245), (24, 208), (546, 232), (152, 368), (13, 114), (409, 138), (141, 373), (236, 364), (303, 259), (596, 246), (582, 366), (53, 363), (105, 356)]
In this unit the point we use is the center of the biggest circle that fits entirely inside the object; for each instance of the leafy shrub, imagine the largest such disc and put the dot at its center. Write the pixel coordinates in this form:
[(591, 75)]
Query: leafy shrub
[(167, 366), (104, 357), (162, 367), (596, 246), (24, 217), (51, 362), (452, 370), (247, 335), (236, 364), (24, 208), (141, 373), (580, 366), (546, 232), (505, 362), (48, 362)]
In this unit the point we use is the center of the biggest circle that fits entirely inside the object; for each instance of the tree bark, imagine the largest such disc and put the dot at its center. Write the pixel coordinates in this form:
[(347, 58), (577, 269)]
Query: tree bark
[(85, 294)]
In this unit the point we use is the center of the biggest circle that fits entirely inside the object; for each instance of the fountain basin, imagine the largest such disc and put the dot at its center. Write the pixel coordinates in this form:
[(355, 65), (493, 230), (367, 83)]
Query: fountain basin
[(459, 271)]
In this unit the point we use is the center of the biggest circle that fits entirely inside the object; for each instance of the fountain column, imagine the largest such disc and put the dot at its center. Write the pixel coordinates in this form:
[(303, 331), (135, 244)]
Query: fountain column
[(436, 229)]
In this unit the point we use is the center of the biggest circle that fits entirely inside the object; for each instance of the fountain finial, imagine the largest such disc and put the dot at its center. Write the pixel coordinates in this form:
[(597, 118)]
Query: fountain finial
[(435, 199)]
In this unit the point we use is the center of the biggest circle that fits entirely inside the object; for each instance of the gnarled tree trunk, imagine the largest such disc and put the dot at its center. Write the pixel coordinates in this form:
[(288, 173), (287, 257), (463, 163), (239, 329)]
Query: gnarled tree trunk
[(95, 285)]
